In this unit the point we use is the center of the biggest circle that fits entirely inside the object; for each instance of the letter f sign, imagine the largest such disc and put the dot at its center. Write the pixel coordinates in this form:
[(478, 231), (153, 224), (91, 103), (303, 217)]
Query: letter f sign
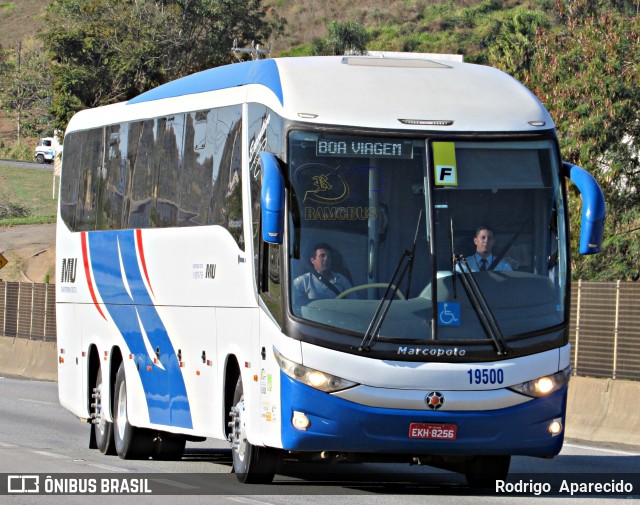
[(446, 175)]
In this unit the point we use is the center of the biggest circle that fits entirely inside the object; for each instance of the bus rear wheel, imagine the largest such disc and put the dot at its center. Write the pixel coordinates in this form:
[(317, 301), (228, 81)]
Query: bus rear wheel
[(251, 464), (131, 442)]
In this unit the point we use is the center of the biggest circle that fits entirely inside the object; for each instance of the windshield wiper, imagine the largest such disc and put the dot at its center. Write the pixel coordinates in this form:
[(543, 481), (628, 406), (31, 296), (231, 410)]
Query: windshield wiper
[(405, 264), (478, 300)]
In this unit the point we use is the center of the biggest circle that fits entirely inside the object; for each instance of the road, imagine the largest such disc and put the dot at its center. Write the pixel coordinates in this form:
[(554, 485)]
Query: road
[(38, 436), (28, 164)]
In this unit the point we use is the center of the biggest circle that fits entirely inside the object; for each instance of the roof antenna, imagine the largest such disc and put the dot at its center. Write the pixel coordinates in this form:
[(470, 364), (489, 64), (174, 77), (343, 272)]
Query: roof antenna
[(255, 51)]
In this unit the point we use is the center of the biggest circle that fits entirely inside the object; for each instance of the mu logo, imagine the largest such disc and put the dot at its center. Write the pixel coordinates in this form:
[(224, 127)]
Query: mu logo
[(69, 266)]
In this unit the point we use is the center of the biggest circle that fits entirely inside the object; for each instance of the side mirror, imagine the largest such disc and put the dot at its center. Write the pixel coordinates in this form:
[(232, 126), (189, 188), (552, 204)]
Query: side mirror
[(593, 209), (272, 199)]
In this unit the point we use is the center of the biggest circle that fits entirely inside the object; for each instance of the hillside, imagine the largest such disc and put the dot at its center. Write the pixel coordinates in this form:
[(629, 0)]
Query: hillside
[(20, 19), (449, 26), (390, 21), (306, 19)]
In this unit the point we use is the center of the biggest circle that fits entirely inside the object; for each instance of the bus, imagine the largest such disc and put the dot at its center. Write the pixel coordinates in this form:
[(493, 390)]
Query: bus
[(191, 222)]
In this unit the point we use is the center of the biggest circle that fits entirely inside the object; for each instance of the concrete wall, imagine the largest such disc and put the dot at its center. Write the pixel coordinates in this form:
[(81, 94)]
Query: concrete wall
[(599, 410), (604, 410), (33, 359)]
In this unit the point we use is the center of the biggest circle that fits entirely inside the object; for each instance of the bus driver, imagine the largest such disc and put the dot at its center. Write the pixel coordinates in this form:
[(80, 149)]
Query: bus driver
[(319, 282), (484, 241)]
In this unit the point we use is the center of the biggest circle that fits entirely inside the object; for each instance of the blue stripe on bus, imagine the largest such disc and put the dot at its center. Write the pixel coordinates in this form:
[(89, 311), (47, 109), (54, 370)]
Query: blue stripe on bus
[(340, 425), (263, 72), (165, 390)]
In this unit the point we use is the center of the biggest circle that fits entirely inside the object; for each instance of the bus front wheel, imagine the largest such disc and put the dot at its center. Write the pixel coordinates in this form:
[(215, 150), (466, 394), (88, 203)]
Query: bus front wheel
[(483, 471), (251, 464), (131, 442)]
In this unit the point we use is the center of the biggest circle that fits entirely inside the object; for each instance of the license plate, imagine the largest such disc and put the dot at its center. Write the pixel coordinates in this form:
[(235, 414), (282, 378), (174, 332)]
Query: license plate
[(431, 431)]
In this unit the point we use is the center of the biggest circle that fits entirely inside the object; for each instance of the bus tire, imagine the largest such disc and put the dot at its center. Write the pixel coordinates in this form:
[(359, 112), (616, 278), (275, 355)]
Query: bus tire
[(168, 447), (102, 429), (131, 442), (483, 471), (251, 464)]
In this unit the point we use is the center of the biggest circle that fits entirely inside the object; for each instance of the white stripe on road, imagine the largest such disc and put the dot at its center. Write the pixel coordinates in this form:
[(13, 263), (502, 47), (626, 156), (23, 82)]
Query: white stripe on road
[(108, 468), (240, 499), (39, 402), (601, 449), (175, 484), (50, 454)]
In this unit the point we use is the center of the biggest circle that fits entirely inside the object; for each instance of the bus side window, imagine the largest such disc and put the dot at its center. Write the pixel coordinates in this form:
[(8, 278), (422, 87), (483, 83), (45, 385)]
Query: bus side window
[(270, 278)]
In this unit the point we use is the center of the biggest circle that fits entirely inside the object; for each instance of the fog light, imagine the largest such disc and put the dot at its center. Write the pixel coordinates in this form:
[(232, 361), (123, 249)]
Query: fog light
[(300, 421), (555, 428)]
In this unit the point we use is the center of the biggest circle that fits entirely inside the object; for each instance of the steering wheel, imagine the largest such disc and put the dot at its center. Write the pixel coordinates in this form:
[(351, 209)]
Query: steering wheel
[(375, 285)]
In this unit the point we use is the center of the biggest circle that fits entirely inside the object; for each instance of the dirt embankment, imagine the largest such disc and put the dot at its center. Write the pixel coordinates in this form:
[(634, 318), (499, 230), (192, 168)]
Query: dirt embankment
[(31, 251)]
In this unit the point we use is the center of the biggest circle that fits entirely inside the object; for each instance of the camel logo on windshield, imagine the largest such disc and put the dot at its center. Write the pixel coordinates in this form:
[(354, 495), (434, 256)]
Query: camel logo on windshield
[(328, 188)]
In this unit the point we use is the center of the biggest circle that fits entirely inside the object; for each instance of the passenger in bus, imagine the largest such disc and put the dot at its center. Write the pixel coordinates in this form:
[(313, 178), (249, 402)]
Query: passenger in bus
[(320, 282), (483, 258)]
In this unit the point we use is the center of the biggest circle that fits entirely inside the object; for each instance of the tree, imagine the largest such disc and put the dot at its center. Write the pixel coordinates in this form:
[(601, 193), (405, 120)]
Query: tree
[(515, 43), (342, 38), (112, 50), (587, 72), (24, 88)]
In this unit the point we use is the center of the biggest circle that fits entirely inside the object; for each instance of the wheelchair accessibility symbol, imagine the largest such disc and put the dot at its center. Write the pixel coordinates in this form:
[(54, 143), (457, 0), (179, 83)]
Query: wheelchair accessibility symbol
[(449, 313)]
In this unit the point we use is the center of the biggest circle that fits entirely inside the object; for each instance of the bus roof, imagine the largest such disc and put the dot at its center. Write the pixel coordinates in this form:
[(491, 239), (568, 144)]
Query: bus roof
[(364, 91)]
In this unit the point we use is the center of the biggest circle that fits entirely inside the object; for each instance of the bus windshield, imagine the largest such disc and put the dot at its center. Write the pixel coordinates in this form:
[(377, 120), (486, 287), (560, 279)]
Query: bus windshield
[(407, 240)]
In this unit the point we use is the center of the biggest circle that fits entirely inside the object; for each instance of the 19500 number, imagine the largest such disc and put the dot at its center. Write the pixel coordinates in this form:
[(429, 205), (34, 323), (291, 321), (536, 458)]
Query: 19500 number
[(485, 376)]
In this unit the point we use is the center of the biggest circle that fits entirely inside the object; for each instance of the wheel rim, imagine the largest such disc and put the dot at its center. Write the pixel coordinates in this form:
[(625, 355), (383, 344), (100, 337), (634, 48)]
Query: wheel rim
[(238, 435), (121, 416), (101, 424)]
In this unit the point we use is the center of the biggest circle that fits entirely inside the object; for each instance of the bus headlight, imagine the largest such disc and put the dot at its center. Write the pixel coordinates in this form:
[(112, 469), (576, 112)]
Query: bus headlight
[(314, 378), (543, 386)]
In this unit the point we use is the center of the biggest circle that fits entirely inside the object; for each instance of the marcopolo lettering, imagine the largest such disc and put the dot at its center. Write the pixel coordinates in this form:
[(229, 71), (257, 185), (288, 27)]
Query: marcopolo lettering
[(431, 351)]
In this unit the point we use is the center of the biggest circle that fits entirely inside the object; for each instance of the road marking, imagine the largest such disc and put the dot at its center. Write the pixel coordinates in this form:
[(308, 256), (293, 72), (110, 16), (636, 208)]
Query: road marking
[(240, 499), (602, 449), (50, 454), (175, 484), (8, 446), (39, 402), (109, 468)]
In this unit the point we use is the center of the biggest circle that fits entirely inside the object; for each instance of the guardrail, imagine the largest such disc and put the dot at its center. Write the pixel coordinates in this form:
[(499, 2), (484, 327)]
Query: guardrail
[(28, 310), (604, 327)]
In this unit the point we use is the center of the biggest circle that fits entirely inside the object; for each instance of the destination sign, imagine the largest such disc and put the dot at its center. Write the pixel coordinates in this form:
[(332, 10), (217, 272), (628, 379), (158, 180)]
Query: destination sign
[(358, 147)]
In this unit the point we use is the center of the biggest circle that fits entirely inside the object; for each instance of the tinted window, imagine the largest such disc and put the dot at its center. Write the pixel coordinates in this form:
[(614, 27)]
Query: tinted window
[(179, 170)]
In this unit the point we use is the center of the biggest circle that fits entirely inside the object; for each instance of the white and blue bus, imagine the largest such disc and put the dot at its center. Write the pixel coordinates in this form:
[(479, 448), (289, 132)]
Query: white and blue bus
[(189, 305)]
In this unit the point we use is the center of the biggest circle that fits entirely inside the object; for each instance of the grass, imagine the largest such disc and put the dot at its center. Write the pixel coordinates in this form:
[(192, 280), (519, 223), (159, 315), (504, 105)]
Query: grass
[(7, 6), (30, 188)]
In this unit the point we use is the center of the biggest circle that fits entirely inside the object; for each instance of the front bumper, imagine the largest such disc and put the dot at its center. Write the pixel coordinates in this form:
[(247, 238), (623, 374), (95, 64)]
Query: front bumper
[(344, 426)]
